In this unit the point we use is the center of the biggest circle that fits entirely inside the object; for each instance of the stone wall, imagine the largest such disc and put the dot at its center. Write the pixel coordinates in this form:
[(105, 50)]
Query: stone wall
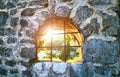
[(98, 20)]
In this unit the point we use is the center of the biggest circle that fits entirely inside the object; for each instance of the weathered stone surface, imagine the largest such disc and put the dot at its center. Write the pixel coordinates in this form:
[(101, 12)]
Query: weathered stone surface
[(13, 11), (0, 61), (27, 41), (17, 75), (87, 31), (35, 67), (14, 71), (20, 34), (15, 1), (30, 33), (39, 2), (90, 69), (10, 5), (1, 32), (28, 12), (28, 53), (111, 25), (23, 22), (10, 63), (2, 5), (1, 41), (60, 67), (82, 13), (22, 4), (93, 27), (99, 51), (26, 64), (27, 73), (3, 17), (78, 70), (108, 59), (10, 31), (11, 40), (47, 66), (14, 21), (64, 0), (62, 11), (100, 2), (51, 69), (3, 71), (41, 16), (4, 51), (45, 14), (107, 71), (94, 51), (7, 31)]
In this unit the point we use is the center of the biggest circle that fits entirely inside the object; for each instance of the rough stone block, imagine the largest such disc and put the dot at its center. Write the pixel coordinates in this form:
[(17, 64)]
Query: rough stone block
[(13, 11), (47, 66), (111, 25), (28, 53), (39, 2), (78, 70), (3, 71), (14, 21), (27, 73), (99, 51), (2, 5), (17, 75), (62, 11), (107, 71), (22, 4), (28, 12), (23, 22), (30, 33), (11, 40), (27, 41), (3, 17), (4, 51), (1, 41), (11, 63), (10, 5), (8, 31), (82, 13), (14, 71), (92, 27), (100, 2), (60, 67)]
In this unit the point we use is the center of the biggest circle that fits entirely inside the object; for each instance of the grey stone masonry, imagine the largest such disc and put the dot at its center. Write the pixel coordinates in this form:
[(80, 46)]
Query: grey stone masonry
[(98, 21)]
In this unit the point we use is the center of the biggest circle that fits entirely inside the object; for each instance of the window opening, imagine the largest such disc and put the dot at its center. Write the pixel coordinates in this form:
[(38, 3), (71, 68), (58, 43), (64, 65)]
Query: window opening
[(58, 39)]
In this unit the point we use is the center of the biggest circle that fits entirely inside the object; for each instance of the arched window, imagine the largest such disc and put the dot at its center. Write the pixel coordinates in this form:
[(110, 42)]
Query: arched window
[(58, 39)]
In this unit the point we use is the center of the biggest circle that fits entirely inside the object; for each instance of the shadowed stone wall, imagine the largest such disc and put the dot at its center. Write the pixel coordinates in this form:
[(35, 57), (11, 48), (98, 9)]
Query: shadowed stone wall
[(99, 21)]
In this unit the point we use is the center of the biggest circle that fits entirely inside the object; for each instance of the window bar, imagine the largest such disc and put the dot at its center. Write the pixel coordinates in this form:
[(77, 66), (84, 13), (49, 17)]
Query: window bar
[(56, 46), (64, 44), (51, 44), (61, 33), (51, 50)]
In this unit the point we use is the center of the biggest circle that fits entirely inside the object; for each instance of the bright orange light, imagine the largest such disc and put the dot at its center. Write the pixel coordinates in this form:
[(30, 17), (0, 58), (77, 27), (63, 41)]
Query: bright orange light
[(51, 34), (51, 37)]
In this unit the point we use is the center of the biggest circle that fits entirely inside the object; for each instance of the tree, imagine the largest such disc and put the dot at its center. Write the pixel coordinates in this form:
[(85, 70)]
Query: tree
[(65, 52)]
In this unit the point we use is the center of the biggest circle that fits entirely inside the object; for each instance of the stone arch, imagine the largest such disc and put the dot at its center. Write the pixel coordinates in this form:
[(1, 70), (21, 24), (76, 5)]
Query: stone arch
[(61, 23)]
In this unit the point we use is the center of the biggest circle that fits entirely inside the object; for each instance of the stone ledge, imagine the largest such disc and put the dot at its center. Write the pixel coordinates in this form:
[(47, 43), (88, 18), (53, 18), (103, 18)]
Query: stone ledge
[(61, 69)]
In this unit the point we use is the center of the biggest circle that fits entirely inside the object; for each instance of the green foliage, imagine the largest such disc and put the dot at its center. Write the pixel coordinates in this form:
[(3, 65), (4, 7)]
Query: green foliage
[(75, 54), (62, 53), (65, 52)]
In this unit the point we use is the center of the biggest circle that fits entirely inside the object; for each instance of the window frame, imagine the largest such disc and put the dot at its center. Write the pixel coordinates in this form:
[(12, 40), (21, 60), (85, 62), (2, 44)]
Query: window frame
[(64, 20)]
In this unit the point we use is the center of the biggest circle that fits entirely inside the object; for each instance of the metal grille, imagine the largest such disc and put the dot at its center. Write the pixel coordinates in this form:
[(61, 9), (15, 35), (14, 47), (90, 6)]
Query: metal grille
[(65, 33)]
